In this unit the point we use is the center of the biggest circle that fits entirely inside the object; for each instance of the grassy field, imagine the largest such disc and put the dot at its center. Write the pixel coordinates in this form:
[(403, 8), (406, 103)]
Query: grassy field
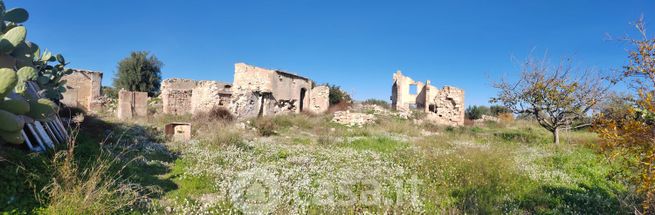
[(301, 164)]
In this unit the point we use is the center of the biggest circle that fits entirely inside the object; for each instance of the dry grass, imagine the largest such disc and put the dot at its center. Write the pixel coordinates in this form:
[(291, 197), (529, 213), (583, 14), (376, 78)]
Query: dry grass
[(91, 190)]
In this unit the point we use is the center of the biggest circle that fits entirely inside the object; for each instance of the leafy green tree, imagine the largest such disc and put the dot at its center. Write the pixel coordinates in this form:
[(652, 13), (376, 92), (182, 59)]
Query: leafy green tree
[(338, 96), (476, 112), (109, 92), (139, 72), (497, 110)]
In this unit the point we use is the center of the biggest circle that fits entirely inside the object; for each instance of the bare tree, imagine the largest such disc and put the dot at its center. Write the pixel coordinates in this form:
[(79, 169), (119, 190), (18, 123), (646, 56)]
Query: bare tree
[(555, 95)]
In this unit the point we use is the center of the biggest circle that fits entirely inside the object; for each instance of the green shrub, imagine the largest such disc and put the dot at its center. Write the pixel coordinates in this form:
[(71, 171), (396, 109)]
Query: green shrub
[(338, 96), (476, 112), (522, 136), (379, 102), (214, 114), (266, 126)]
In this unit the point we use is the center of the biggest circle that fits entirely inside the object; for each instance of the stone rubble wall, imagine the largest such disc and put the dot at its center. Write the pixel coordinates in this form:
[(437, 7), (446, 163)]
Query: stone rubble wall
[(353, 119), (207, 95), (449, 107), (320, 99), (176, 95)]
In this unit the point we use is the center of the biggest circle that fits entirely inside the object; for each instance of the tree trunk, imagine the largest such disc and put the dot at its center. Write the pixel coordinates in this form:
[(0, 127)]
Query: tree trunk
[(556, 135)]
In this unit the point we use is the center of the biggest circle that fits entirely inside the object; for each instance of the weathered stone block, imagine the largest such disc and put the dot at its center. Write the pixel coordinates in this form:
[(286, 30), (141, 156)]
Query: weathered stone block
[(82, 89), (132, 104), (320, 99), (178, 131)]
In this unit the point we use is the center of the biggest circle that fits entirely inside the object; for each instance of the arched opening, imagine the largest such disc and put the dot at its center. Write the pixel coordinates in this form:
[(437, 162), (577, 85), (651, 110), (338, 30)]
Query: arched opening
[(303, 91)]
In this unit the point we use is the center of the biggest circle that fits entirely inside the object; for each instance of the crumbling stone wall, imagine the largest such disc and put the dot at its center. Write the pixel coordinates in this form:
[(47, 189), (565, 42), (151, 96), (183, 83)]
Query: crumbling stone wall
[(83, 89), (320, 99), (259, 92), (132, 104), (207, 95), (443, 106), (176, 95), (185, 96), (353, 119)]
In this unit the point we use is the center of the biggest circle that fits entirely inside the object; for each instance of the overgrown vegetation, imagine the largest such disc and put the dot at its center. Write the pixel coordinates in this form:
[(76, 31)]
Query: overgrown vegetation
[(627, 127), (379, 102), (338, 95), (305, 164)]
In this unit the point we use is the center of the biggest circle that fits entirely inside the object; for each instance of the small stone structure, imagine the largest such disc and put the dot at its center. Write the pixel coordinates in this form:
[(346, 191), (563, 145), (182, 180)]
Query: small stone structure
[(255, 92), (178, 131), (132, 104), (83, 90), (353, 119), (443, 106)]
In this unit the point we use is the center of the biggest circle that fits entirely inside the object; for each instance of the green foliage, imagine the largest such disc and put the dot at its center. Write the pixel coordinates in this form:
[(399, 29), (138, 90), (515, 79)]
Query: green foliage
[(27, 73), (16, 106), (139, 72), (476, 112), (379, 102), (12, 38), (109, 92), (10, 121), (13, 137), (497, 110), (337, 95), (8, 81), (42, 109), (16, 15)]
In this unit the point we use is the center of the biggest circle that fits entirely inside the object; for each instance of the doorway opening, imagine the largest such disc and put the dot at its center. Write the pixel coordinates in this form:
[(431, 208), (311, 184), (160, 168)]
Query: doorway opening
[(303, 91)]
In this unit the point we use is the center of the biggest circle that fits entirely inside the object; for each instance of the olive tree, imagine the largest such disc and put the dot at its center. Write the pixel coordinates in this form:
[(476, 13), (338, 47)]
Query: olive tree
[(555, 95)]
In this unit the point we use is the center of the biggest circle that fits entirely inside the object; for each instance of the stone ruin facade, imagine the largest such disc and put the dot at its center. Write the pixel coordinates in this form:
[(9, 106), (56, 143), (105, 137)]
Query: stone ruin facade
[(443, 106), (255, 92), (260, 92), (185, 96), (83, 90)]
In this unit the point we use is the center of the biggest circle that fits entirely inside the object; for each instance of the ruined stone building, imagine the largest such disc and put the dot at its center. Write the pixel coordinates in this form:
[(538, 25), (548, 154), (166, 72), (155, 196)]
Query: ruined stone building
[(186, 96), (255, 92), (443, 106), (82, 89), (259, 92)]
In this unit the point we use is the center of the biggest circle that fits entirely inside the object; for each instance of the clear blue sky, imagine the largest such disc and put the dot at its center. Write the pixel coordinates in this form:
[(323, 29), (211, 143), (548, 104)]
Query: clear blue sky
[(355, 44)]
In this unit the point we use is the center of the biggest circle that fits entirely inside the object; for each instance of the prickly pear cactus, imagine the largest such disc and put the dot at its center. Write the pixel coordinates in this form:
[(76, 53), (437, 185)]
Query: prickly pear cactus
[(22, 62)]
